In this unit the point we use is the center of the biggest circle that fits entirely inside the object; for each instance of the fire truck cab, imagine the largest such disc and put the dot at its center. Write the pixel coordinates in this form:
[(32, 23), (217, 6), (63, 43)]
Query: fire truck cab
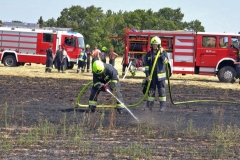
[(189, 52), (22, 43)]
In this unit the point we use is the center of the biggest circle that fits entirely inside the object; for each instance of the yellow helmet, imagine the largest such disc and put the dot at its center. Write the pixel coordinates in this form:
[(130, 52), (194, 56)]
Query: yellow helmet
[(156, 40), (87, 46), (98, 67)]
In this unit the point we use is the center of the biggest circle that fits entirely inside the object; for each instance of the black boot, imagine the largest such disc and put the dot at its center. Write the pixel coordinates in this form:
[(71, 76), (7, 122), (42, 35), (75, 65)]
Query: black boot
[(78, 71), (46, 70), (162, 106), (92, 108), (120, 110), (150, 105)]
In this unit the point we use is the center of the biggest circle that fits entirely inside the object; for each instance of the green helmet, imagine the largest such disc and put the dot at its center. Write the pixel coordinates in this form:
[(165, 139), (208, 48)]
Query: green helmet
[(87, 46), (98, 67), (156, 40), (104, 48)]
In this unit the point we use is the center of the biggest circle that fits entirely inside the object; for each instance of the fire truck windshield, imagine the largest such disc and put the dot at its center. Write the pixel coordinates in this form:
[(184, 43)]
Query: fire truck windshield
[(81, 43)]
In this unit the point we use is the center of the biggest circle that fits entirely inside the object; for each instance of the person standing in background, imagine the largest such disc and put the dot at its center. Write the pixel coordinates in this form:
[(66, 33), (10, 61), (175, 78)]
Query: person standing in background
[(237, 67), (103, 54), (82, 61), (88, 52), (112, 57), (63, 60), (49, 59), (58, 57), (96, 54)]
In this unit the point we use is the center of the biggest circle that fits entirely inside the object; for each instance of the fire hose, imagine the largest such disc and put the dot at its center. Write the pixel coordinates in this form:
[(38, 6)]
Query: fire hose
[(146, 93)]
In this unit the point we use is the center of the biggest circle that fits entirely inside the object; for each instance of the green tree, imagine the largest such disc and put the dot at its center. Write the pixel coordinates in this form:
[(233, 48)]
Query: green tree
[(195, 26), (97, 26), (40, 21), (0, 21), (170, 19), (50, 23)]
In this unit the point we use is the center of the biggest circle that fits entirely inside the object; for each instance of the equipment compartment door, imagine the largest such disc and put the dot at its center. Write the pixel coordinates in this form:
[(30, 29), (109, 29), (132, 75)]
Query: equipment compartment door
[(44, 41), (207, 53), (183, 54)]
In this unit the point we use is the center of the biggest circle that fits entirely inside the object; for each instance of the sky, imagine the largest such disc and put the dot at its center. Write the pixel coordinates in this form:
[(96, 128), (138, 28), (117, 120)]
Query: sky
[(215, 15)]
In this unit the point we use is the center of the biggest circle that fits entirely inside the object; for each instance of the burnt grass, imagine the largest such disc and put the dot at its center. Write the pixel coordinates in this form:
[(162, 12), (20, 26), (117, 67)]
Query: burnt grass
[(183, 131)]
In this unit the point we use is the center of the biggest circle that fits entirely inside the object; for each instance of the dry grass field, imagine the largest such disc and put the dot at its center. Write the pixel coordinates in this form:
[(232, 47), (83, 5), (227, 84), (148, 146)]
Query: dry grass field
[(39, 119)]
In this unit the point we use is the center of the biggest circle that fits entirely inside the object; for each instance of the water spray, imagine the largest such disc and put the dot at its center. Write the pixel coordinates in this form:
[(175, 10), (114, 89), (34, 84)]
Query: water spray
[(127, 69), (123, 105)]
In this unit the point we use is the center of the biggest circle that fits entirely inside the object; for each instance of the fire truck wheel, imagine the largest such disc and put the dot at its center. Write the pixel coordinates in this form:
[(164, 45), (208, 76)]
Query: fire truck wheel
[(226, 74), (10, 61)]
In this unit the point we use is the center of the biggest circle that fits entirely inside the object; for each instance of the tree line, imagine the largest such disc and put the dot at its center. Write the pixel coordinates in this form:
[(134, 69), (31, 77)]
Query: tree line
[(96, 26)]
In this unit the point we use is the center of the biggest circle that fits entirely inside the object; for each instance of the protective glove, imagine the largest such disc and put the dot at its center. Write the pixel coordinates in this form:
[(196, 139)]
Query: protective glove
[(106, 87), (112, 85)]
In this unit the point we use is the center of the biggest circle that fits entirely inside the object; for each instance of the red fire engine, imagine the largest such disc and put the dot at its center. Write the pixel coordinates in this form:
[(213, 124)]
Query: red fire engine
[(22, 43), (189, 52)]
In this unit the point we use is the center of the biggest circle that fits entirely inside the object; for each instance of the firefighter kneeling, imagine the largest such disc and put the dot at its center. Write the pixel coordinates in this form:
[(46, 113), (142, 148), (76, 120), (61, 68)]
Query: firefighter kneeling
[(105, 76), (159, 73)]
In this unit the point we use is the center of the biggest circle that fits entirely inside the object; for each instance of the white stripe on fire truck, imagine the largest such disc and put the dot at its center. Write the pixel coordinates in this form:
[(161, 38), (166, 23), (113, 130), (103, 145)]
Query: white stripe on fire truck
[(183, 58), (184, 50), (28, 45), (184, 41), (178, 43), (28, 39), (206, 69), (9, 44), (25, 51), (191, 69), (28, 34), (10, 38), (10, 33), (184, 37), (31, 54)]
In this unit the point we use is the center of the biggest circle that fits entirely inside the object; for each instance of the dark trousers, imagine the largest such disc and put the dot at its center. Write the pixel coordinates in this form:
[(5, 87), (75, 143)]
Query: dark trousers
[(95, 92), (238, 72), (49, 64), (112, 62), (63, 65), (88, 63), (94, 59), (160, 85), (104, 60), (81, 64), (59, 63)]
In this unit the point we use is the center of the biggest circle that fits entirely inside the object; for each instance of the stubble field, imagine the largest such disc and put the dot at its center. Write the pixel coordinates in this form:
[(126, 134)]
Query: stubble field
[(39, 119)]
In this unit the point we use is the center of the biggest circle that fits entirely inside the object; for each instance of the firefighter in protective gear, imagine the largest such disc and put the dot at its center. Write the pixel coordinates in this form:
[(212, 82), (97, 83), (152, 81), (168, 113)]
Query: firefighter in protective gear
[(159, 73), (82, 60), (88, 56), (105, 76), (103, 54)]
